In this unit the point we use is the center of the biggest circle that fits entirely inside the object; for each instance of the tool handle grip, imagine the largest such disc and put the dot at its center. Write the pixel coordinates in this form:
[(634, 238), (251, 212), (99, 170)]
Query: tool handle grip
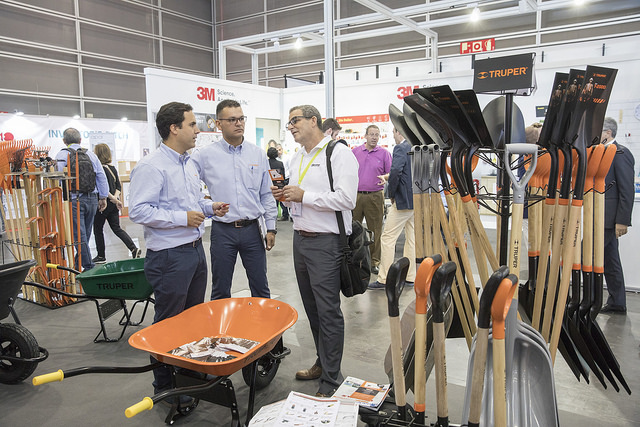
[(144, 405), (59, 267), (48, 378)]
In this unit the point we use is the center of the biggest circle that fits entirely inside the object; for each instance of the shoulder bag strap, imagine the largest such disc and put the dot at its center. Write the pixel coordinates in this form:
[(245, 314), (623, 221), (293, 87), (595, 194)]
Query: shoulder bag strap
[(343, 234)]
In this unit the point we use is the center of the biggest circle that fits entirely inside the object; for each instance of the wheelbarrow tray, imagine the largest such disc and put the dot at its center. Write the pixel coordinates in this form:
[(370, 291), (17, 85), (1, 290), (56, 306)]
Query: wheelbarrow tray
[(117, 280), (11, 277), (258, 319)]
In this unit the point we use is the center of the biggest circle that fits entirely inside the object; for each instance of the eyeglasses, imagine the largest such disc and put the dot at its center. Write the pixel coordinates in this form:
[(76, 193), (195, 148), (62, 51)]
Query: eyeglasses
[(294, 120), (235, 120)]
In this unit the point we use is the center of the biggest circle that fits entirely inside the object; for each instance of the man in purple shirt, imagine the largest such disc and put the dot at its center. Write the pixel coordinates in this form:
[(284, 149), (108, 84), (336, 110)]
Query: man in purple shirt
[(374, 162)]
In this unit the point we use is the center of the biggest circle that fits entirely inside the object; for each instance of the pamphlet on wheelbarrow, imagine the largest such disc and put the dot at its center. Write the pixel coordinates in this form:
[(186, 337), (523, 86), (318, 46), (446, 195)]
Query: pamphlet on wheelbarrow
[(364, 393), (214, 349)]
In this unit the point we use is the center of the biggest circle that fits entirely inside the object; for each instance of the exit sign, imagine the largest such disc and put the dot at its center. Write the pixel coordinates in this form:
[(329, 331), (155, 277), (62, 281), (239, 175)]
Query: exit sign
[(477, 46)]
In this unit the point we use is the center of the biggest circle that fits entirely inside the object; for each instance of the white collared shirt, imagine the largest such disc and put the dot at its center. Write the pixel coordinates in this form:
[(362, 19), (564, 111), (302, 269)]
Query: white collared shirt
[(319, 203)]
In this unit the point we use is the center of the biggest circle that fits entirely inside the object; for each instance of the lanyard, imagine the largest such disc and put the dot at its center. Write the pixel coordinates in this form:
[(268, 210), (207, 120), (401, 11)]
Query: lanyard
[(301, 175)]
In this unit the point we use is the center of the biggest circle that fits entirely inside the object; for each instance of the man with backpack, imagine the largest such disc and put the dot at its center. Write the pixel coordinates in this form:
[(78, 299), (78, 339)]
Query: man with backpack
[(87, 192)]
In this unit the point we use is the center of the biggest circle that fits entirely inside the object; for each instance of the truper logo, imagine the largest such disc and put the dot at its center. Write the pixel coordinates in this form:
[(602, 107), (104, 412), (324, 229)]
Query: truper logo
[(505, 72)]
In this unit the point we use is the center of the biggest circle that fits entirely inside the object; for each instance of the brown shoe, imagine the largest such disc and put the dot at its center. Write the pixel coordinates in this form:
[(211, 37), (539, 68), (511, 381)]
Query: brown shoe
[(309, 374)]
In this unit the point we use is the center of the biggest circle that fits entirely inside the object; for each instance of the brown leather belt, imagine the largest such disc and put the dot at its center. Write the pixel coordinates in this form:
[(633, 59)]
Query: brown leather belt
[(193, 244), (369, 192)]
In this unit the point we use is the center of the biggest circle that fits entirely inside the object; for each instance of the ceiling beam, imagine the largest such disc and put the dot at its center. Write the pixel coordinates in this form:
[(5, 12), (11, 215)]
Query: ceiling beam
[(401, 19)]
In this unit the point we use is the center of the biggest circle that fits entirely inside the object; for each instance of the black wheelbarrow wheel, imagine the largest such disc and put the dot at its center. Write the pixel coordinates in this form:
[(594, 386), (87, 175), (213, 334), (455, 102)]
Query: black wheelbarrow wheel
[(266, 370), (16, 341)]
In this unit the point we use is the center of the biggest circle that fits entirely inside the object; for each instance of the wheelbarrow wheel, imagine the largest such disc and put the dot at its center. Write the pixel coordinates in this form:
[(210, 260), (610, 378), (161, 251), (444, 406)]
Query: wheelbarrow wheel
[(267, 367), (16, 341)]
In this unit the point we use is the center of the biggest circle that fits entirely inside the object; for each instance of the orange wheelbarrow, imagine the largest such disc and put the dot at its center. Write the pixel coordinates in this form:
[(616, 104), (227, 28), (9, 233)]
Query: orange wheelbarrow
[(257, 319)]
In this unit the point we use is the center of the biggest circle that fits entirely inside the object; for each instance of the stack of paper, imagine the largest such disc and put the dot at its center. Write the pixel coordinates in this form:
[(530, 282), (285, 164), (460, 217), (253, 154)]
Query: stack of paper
[(366, 394)]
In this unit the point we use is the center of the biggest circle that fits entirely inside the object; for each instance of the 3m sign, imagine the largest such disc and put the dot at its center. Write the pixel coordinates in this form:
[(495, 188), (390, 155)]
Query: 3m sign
[(206, 93), (477, 46)]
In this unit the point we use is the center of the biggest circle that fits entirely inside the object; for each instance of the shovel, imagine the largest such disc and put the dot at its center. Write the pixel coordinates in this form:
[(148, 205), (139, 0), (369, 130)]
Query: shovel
[(421, 286), (499, 310), (395, 284), (438, 294), (478, 357)]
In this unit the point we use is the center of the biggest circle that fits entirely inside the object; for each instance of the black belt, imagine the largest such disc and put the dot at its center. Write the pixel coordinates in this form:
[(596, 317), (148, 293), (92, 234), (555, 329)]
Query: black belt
[(311, 233), (368, 192), (193, 244), (241, 222)]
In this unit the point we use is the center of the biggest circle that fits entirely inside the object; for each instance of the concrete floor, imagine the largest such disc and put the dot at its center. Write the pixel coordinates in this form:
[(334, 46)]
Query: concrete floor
[(100, 399)]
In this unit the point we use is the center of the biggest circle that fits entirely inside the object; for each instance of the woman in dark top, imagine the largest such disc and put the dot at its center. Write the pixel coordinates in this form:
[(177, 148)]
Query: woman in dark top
[(112, 212), (274, 163)]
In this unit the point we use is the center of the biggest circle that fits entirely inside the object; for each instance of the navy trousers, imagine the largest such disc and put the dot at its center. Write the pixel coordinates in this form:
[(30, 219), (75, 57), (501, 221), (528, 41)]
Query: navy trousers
[(179, 280), (227, 242), (613, 274), (87, 204)]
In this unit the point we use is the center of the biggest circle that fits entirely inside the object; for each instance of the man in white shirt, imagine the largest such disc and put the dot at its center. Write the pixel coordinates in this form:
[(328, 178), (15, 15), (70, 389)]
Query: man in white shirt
[(316, 241)]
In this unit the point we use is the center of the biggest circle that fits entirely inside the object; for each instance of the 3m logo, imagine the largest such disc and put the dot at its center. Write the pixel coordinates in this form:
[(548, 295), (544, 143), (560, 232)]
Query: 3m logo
[(206, 93), (483, 75)]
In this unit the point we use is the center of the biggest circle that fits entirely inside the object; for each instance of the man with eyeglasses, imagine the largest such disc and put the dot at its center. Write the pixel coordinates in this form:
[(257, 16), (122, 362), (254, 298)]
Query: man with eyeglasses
[(374, 162), (316, 240), (236, 171)]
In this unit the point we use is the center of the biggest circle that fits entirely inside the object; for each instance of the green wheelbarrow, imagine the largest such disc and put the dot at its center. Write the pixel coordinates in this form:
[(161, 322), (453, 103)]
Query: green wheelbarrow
[(116, 282)]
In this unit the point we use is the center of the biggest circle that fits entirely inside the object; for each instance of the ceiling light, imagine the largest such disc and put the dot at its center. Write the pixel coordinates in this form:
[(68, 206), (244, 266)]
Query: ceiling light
[(475, 15), (18, 113), (276, 42), (124, 119), (298, 43), (76, 116)]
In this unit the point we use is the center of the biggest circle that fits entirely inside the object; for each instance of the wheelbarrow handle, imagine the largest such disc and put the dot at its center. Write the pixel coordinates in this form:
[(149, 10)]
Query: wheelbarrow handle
[(48, 378), (59, 267), (144, 405)]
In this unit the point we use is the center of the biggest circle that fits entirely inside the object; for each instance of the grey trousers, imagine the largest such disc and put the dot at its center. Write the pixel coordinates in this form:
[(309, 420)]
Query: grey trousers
[(316, 262)]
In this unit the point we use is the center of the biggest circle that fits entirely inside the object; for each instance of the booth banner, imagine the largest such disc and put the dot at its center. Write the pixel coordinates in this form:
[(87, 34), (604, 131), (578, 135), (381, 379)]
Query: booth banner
[(124, 138), (507, 74)]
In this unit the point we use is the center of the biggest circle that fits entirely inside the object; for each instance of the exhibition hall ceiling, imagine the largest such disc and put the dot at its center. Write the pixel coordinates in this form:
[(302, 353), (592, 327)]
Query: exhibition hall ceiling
[(371, 32), (87, 57)]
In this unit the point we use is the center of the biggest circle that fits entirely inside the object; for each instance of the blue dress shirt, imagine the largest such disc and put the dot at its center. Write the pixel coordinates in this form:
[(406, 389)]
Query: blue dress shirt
[(164, 186), (238, 176)]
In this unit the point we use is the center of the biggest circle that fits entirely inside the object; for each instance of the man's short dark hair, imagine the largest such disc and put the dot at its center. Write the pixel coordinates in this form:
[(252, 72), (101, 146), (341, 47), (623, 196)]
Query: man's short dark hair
[(610, 124), (330, 123), (272, 153), (71, 136), (309, 111), (170, 114), (226, 103)]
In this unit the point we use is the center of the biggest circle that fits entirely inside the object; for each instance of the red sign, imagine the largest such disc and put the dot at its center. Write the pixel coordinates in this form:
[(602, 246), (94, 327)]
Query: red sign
[(363, 119), (206, 93), (477, 46)]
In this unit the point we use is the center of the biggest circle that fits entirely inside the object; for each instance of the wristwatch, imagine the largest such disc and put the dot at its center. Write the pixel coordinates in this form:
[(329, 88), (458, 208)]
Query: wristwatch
[(272, 231)]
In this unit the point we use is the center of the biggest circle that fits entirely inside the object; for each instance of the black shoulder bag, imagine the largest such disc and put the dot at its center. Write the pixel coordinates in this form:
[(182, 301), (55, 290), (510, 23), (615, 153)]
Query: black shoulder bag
[(355, 267)]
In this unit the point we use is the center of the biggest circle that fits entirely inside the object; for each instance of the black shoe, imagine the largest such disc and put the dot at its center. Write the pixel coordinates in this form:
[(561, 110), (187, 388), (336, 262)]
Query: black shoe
[(613, 308), (99, 260), (375, 270)]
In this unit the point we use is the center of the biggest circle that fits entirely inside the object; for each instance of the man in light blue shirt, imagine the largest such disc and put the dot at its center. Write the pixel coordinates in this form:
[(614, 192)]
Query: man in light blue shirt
[(86, 203), (237, 172), (165, 198)]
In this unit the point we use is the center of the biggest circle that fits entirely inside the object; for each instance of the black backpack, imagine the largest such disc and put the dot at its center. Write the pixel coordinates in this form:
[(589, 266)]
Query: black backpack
[(86, 173)]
